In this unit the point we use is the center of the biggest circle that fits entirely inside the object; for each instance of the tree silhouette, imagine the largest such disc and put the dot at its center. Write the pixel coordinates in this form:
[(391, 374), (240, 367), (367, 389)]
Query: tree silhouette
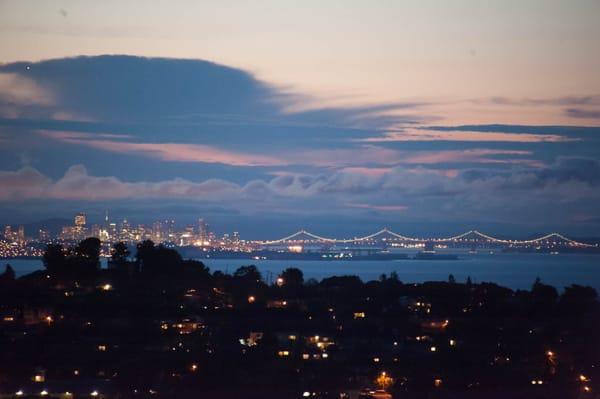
[(89, 250), (120, 253), (54, 258), (8, 276), (293, 277), (145, 250), (248, 273)]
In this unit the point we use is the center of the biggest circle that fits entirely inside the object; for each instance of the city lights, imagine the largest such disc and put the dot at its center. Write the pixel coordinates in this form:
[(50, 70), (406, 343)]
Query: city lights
[(17, 243)]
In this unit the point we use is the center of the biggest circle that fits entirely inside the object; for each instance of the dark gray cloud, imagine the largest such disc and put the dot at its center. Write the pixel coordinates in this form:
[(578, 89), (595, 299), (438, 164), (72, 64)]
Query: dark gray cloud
[(583, 113), (566, 101)]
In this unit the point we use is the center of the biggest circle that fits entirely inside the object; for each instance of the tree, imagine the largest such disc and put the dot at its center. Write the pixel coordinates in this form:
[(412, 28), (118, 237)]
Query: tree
[(578, 298), (248, 273), (292, 277), (54, 258), (145, 250), (451, 279), (158, 260), (543, 296), (89, 250), (197, 270), (8, 275), (120, 253)]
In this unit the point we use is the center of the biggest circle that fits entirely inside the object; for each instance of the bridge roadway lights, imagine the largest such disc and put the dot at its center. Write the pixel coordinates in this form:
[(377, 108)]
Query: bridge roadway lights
[(460, 237)]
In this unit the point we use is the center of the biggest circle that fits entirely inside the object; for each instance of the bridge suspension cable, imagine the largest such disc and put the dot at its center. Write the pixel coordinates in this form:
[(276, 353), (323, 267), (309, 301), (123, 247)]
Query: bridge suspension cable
[(414, 239)]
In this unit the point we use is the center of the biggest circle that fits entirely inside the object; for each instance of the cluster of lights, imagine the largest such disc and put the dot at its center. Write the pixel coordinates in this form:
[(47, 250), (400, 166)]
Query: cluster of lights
[(45, 392), (552, 238)]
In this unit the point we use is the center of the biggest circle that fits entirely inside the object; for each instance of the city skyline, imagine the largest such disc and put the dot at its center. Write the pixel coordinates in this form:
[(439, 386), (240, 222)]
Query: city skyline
[(201, 233)]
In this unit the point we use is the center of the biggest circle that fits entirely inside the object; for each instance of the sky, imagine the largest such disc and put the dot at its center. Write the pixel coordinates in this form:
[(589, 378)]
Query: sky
[(340, 117)]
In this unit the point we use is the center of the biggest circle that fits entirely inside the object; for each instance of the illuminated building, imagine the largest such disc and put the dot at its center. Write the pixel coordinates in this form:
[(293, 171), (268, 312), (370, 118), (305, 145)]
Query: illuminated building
[(21, 235), (43, 235), (203, 231), (80, 220), (8, 234)]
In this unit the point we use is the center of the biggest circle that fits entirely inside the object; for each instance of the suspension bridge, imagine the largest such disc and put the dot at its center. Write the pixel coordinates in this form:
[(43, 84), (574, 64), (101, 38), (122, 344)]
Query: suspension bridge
[(470, 237)]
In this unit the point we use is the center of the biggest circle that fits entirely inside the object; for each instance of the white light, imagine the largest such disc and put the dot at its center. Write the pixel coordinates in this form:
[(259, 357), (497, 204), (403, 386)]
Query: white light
[(94, 393), (19, 393), (306, 394), (44, 393)]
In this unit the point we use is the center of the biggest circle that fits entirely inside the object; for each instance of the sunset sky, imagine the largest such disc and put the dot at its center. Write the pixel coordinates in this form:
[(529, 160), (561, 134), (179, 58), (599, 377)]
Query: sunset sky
[(337, 116)]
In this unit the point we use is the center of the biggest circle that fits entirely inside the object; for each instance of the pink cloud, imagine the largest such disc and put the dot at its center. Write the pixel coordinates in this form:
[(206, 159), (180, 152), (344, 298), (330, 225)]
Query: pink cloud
[(20, 90), (476, 155), (367, 171), (75, 136), (167, 151), (433, 135), (381, 208), (24, 183), (352, 159)]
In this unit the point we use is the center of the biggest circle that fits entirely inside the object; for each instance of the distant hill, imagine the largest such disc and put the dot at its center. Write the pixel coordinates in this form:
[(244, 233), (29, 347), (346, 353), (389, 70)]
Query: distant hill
[(53, 225)]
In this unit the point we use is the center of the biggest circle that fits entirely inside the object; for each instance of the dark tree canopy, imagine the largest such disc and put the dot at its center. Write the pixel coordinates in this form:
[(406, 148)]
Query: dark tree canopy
[(293, 277), (89, 249), (8, 275), (54, 257), (120, 253), (248, 273)]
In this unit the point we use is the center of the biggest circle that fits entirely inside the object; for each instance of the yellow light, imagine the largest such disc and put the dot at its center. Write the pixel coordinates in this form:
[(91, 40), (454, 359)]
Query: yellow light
[(437, 382), (540, 382), (305, 356), (102, 348), (383, 380), (452, 342), (107, 287), (280, 281), (359, 315), (583, 378), (376, 359), (550, 353), (38, 378), (587, 389), (251, 299), (194, 367)]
